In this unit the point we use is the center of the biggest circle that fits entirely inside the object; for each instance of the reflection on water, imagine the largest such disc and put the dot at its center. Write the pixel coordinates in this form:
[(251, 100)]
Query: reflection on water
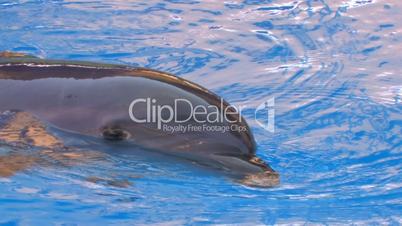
[(22, 127), (332, 66), (32, 144)]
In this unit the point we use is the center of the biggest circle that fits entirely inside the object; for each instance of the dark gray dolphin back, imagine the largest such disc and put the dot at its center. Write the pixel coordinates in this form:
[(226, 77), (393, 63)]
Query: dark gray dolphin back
[(94, 99), (80, 79)]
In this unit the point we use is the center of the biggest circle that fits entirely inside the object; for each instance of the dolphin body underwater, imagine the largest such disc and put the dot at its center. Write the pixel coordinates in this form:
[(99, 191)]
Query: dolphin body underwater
[(104, 101)]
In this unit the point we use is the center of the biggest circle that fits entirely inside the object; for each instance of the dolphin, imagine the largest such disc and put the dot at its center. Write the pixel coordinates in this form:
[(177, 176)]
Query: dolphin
[(149, 108)]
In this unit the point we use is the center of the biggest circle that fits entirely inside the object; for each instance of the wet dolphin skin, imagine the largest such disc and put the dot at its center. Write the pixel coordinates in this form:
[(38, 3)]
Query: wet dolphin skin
[(152, 109)]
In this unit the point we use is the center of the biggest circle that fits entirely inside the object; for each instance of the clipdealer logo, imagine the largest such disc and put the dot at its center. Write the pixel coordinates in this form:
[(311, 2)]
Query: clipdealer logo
[(264, 115), (200, 117)]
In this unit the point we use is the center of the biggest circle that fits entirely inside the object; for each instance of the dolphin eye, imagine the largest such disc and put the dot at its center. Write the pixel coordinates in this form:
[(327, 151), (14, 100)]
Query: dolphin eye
[(115, 134)]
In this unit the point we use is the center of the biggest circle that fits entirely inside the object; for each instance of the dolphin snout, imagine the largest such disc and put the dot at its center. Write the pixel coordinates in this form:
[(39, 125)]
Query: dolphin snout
[(261, 179), (267, 177)]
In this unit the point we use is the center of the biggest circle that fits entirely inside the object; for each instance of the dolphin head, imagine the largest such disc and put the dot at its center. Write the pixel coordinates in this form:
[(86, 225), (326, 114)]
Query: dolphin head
[(231, 153)]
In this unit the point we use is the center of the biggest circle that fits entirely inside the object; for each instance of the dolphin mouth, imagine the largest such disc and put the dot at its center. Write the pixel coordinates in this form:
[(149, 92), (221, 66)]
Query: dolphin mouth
[(266, 179), (250, 171)]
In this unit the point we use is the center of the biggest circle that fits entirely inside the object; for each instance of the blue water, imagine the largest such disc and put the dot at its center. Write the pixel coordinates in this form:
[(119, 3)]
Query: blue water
[(333, 67)]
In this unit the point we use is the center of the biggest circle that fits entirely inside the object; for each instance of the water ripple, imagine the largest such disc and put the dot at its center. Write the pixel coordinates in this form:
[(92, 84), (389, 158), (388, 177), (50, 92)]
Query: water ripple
[(332, 67)]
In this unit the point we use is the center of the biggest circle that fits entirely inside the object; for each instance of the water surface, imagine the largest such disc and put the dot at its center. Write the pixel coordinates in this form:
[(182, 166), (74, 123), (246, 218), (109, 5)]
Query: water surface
[(333, 67)]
